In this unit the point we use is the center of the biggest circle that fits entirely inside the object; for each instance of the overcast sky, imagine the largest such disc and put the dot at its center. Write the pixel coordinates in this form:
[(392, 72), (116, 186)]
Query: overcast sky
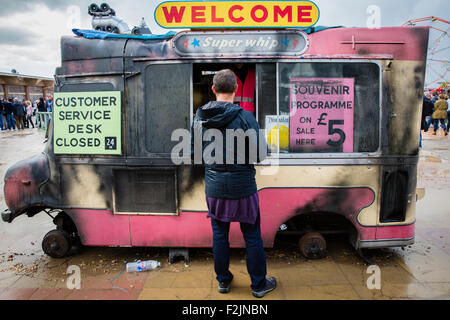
[(30, 31)]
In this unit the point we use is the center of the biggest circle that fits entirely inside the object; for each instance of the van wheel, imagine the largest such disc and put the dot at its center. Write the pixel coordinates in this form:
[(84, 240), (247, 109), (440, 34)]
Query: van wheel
[(313, 245), (56, 243)]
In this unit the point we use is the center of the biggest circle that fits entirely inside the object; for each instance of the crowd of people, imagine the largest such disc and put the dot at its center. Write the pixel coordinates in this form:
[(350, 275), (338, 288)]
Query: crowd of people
[(435, 110), (18, 115)]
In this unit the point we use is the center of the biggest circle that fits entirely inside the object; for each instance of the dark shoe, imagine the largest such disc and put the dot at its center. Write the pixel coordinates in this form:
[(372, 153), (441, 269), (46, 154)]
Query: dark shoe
[(271, 284), (223, 287)]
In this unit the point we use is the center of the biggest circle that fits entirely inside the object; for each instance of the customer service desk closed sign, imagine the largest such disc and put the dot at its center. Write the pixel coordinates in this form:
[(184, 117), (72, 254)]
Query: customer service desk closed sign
[(87, 122)]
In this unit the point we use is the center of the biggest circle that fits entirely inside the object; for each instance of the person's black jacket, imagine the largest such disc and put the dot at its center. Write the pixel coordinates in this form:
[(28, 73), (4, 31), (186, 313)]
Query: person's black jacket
[(235, 180), (8, 107), (427, 110), (427, 107), (2, 109), (18, 109), (41, 107)]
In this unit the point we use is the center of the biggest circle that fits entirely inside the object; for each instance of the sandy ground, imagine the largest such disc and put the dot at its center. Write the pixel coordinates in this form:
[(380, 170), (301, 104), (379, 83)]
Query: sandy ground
[(420, 271)]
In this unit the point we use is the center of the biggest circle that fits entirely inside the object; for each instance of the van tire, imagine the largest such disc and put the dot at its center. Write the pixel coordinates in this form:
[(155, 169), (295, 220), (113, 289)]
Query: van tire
[(313, 245), (56, 243)]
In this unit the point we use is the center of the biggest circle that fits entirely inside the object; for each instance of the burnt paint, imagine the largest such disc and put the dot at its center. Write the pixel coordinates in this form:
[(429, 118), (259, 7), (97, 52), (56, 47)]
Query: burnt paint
[(278, 205), (189, 177), (81, 55), (22, 183), (192, 229), (406, 106)]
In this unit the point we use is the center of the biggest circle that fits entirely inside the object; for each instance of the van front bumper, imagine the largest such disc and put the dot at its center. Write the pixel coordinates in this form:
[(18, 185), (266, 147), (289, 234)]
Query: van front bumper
[(6, 215)]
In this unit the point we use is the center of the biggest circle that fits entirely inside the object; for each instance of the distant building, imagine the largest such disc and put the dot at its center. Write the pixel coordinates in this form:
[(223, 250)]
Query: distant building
[(20, 86)]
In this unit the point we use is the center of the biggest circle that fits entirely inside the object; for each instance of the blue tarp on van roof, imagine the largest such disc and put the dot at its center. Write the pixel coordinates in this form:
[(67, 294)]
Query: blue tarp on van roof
[(318, 28), (95, 34)]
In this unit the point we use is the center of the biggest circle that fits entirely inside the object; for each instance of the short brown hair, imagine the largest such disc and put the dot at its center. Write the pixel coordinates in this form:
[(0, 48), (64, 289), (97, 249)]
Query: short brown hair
[(224, 81)]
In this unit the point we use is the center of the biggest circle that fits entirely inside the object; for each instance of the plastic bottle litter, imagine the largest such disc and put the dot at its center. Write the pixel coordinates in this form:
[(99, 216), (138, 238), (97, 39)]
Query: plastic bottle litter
[(142, 265)]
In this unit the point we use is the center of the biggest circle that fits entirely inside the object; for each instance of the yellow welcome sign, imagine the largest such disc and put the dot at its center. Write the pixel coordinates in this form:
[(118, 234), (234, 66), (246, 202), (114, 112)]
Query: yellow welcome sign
[(237, 14)]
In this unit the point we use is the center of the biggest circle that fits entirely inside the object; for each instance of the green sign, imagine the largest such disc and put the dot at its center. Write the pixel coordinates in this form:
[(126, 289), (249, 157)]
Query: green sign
[(87, 122)]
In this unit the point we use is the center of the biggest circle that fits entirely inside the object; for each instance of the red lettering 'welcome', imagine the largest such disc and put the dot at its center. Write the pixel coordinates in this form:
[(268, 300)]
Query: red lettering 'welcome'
[(277, 11), (231, 15), (302, 14), (198, 13), (264, 11), (214, 18), (173, 14)]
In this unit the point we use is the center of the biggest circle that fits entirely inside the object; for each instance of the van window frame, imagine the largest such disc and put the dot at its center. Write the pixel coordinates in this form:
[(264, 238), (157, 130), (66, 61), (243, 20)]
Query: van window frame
[(287, 156), (327, 155), (145, 149)]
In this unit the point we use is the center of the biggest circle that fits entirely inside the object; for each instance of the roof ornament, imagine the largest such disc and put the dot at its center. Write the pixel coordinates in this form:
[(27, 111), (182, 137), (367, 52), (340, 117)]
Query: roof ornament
[(142, 29), (104, 19)]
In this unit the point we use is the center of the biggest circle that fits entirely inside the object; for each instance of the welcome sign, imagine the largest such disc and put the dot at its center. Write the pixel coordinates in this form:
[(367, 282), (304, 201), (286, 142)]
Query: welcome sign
[(237, 14)]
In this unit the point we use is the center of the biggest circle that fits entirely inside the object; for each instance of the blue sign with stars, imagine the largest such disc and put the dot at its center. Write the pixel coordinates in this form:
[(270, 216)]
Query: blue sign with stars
[(232, 43)]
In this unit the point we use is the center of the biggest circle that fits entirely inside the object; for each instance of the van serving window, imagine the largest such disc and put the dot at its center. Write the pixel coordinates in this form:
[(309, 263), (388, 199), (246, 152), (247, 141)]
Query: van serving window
[(324, 108)]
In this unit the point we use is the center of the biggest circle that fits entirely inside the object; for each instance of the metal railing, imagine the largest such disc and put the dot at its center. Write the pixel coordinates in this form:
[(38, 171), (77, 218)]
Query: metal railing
[(43, 120)]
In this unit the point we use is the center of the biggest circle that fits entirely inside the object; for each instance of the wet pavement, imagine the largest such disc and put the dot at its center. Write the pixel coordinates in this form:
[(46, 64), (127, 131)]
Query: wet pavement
[(419, 271)]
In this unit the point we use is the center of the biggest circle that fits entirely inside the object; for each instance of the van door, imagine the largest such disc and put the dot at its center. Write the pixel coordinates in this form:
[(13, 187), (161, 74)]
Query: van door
[(148, 186)]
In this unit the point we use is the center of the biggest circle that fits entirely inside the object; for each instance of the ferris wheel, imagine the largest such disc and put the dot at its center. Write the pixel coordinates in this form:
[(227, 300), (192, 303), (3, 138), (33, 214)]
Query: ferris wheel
[(438, 65)]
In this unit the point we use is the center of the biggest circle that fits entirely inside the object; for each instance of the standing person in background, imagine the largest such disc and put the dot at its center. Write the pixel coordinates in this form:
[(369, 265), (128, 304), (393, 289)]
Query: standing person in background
[(440, 113), (448, 110), (246, 84), (49, 104), (434, 97), (9, 110), (1, 115), (427, 110), (40, 108), (29, 113), (18, 114), (41, 105), (25, 118)]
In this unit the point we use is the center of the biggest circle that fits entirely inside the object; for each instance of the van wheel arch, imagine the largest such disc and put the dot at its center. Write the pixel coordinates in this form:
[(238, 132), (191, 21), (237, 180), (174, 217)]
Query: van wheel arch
[(322, 222)]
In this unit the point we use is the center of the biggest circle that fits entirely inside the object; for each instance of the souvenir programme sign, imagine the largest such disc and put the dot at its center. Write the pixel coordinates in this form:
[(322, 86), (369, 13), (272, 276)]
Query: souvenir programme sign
[(237, 14), (321, 114), (87, 122)]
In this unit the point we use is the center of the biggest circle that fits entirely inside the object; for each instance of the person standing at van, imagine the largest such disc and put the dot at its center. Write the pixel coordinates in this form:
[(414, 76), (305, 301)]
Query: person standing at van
[(231, 192)]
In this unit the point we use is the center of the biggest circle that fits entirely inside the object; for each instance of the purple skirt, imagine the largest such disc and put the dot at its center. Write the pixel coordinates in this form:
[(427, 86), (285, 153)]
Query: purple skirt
[(234, 210)]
